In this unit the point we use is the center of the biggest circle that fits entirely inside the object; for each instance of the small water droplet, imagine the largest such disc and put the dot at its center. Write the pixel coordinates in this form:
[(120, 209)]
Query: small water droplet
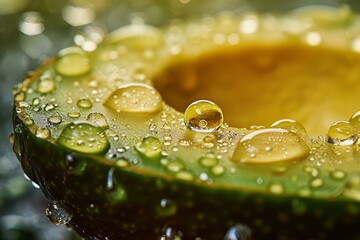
[(46, 84), (49, 107), (43, 133), (291, 125), (73, 62), (285, 146), (209, 141), (342, 133), (217, 170), (210, 160), (135, 97), (175, 166), (337, 174), (84, 103), (166, 208), (74, 114), (316, 182), (150, 147), (84, 137), (55, 119), (184, 175), (170, 233), (276, 188), (203, 116), (238, 232), (57, 214)]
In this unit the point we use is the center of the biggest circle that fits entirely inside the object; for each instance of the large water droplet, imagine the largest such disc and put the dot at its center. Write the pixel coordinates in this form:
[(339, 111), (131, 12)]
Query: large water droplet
[(291, 125), (238, 232), (135, 97), (57, 214), (150, 147), (203, 116), (343, 133), (270, 145), (72, 62), (84, 137)]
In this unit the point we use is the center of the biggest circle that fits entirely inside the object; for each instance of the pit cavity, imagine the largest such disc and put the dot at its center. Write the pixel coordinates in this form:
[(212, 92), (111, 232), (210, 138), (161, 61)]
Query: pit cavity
[(259, 84)]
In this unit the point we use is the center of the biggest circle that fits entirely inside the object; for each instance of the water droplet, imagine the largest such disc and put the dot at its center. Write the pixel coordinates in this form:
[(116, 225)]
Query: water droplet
[(166, 208), (171, 234), (210, 160), (218, 170), (276, 188), (291, 125), (135, 97), (285, 146), (238, 232), (55, 119), (209, 141), (84, 103), (57, 214), (84, 137), (355, 119), (150, 147), (175, 166), (316, 182), (46, 84), (184, 175), (342, 133), (49, 107), (43, 133), (337, 174), (203, 116), (72, 62), (74, 114), (352, 187), (137, 35), (98, 119)]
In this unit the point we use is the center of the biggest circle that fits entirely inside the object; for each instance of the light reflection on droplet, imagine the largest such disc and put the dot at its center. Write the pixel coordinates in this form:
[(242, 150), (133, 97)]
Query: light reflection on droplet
[(78, 16), (31, 23)]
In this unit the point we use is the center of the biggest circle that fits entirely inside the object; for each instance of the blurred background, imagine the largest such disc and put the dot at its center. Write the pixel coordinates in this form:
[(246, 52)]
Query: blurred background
[(33, 30)]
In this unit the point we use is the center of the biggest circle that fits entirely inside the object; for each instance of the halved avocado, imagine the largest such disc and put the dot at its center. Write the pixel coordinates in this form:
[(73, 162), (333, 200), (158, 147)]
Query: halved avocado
[(116, 161)]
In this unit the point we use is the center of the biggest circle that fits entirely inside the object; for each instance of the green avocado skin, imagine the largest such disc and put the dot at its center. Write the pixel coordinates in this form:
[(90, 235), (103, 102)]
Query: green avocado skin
[(131, 208)]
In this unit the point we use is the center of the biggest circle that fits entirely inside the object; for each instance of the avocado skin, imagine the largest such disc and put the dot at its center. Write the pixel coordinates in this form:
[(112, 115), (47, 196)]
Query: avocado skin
[(201, 211)]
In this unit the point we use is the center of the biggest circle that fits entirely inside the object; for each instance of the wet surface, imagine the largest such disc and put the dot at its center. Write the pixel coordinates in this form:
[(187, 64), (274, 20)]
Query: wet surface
[(31, 31)]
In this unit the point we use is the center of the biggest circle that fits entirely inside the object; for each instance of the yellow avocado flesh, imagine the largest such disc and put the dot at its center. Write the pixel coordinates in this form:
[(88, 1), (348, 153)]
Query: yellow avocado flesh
[(260, 84), (133, 92)]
